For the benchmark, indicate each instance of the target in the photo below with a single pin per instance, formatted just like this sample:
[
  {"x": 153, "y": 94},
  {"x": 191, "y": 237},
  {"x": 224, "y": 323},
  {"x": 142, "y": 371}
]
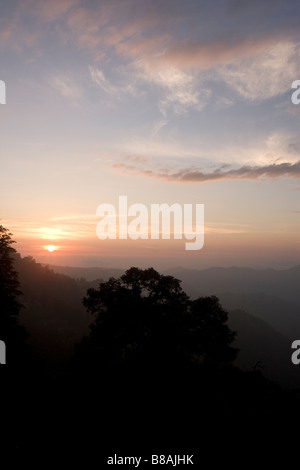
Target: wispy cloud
[
  {"x": 158, "y": 126},
  {"x": 194, "y": 175},
  {"x": 81, "y": 217},
  {"x": 207, "y": 54},
  {"x": 100, "y": 80},
  {"x": 266, "y": 75},
  {"x": 66, "y": 87},
  {"x": 109, "y": 88},
  {"x": 257, "y": 64},
  {"x": 181, "y": 90},
  {"x": 73, "y": 227},
  {"x": 277, "y": 147}
]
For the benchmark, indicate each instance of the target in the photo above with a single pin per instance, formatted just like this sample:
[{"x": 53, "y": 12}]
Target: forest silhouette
[{"x": 146, "y": 356}]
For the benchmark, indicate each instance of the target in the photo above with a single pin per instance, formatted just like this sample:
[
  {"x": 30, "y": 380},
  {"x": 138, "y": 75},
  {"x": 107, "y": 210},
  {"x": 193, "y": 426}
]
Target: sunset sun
[{"x": 51, "y": 248}]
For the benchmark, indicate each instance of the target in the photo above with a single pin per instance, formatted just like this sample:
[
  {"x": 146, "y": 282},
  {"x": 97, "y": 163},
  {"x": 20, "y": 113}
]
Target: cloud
[
  {"x": 14, "y": 35},
  {"x": 180, "y": 91},
  {"x": 17, "y": 33},
  {"x": 98, "y": 77},
  {"x": 66, "y": 87},
  {"x": 50, "y": 10},
  {"x": 224, "y": 102},
  {"x": 154, "y": 52},
  {"x": 177, "y": 53},
  {"x": 207, "y": 54},
  {"x": 82, "y": 217},
  {"x": 158, "y": 126},
  {"x": 137, "y": 159},
  {"x": 276, "y": 147},
  {"x": 57, "y": 228},
  {"x": 194, "y": 175},
  {"x": 266, "y": 75}
]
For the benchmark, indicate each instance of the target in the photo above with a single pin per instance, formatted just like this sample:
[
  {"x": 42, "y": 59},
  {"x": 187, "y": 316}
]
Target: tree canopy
[
  {"x": 9, "y": 284},
  {"x": 145, "y": 320},
  {"x": 11, "y": 332}
]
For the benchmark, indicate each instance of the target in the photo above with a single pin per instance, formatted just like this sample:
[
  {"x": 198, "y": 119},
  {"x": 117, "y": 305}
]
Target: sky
[{"x": 164, "y": 101}]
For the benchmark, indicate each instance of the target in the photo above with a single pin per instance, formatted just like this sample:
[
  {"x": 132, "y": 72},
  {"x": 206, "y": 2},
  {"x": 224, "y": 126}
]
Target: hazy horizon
[{"x": 161, "y": 265}]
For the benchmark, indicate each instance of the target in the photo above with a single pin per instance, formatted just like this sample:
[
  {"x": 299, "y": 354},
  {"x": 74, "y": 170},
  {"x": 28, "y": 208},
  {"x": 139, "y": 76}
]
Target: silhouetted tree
[
  {"x": 145, "y": 320},
  {"x": 207, "y": 326},
  {"x": 169, "y": 363},
  {"x": 11, "y": 332}
]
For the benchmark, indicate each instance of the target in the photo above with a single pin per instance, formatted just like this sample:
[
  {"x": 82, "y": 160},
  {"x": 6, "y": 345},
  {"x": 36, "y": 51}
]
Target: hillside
[
  {"x": 263, "y": 348},
  {"x": 56, "y": 319},
  {"x": 53, "y": 313},
  {"x": 90, "y": 274},
  {"x": 279, "y": 283},
  {"x": 280, "y": 314}
]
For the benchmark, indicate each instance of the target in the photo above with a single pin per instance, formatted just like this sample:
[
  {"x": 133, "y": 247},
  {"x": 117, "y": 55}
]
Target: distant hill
[
  {"x": 90, "y": 274},
  {"x": 279, "y": 283},
  {"x": 53, "y": 313},
  {"x": 263, "y": 348},
  {"x": 281, "y": 315},
  {"x": 271, "y": 295}
]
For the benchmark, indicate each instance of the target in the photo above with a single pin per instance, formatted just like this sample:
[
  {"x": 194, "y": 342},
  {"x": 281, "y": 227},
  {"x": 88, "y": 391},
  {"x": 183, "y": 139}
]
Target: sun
[{"x": 51, "y": 248}]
